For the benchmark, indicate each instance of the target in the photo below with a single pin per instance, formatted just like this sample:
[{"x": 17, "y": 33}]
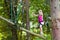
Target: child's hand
[{"x": 33, "y": 14}]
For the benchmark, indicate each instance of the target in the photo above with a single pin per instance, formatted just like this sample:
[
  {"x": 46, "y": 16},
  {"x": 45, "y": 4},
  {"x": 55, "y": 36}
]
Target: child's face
[{"x": 40, "y": 12}]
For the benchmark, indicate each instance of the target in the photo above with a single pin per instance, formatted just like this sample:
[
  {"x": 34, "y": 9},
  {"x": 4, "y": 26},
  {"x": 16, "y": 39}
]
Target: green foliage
[{"x": 35, "y": 5}]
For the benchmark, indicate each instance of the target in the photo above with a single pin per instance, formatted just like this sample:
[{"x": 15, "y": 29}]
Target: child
[{"x": 40, "y": 20}]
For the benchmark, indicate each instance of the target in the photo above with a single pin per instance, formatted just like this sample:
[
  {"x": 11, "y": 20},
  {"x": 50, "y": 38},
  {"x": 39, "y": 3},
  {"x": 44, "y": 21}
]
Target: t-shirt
[{"x": 40, "y": 18}]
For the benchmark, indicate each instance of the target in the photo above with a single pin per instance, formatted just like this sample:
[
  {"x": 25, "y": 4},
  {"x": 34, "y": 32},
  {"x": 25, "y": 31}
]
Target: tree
[
  {"x": 55, "y": 15},
  {"x": 27, "y": 18}
]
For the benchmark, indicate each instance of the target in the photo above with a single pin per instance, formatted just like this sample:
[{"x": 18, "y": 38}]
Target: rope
[
  {"x": 11, "y": 7},
  {"x": 19, "y": 7}
]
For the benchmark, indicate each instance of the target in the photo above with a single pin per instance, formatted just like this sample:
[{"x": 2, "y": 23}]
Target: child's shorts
[{"x": 41, "y": 23}]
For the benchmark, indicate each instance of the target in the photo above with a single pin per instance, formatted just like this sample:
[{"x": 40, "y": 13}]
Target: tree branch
[
  {"x": 7, "y": 20},
  {"x": 38, "y": 35}
]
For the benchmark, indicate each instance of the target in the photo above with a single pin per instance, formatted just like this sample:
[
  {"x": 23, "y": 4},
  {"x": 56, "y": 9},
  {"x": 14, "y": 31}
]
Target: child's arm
[{"x": 35, "y": 14}]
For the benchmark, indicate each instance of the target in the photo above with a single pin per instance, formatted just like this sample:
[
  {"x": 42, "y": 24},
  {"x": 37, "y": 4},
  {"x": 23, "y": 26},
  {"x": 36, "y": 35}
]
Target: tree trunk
[
  {"x": 14, "y": 34},
  {"x": 14, "y": 18},
  {"x": 27, "y": 18},
  {"x": 55, "y": 15}
]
